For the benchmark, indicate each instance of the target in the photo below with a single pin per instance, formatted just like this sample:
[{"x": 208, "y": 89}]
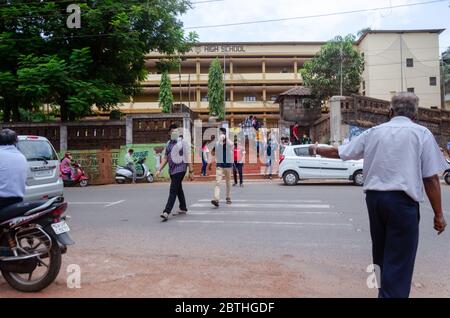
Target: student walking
[
  {"x": 178, "y": 156},
  {"x": 205, "y": 157},
  {"x": 238, "y": 156},
  {"x": 224, "y": 165}
]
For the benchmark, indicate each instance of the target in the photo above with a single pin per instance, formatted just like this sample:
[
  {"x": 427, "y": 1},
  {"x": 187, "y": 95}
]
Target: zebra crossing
[{"x": 265, "y": 212}]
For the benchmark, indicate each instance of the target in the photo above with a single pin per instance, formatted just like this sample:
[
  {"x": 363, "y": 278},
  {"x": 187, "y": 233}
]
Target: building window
[
  {"x": 409, "y": 62},
  {"x": 273, "y": 98},
  {"x": 433, "y": 81},
  {"x": 204, "y": 98},
  {"x": 410, "y": 89},
  {"x": 249, "y": 98}
]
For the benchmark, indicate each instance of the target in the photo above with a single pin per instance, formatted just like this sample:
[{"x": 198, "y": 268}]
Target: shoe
[
  {"x": 182, "y": 212},
  {"x": 164, "y": 216},
  {"x": 234, "y": 184},
  {"x": 228, "y": 201},
  {"x": 215, "y": 203}
]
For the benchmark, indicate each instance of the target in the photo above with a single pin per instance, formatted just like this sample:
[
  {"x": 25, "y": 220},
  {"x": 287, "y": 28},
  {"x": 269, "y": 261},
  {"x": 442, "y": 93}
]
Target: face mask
[{"x": 174, "y": 136}]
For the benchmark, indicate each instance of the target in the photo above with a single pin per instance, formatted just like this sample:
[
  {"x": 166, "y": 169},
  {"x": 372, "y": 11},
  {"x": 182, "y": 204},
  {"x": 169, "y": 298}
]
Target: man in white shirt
[
  {"x": 13, "y": 170},
  {"x": 400, "y": 159}
]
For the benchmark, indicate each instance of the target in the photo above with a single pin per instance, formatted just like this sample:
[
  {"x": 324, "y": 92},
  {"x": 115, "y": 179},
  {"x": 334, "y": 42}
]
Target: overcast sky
[{"x": 429, "y": 16}]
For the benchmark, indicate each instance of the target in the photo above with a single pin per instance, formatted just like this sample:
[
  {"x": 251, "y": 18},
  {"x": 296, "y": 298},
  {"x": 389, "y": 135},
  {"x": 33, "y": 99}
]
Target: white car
[
  {"x": 44, "y": 179},
  {"x": 297, "y": 164}
]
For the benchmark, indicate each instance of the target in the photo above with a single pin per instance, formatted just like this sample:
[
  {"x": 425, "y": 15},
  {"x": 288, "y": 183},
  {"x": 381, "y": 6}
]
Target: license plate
[
  {"x": 45, "y": 173},
  {"x": 60, "y": 227}
]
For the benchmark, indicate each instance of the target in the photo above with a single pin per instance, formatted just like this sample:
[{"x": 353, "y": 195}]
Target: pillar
[{"x": 129, "y": 130}]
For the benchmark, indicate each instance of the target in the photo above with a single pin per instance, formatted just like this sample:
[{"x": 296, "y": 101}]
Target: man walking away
[
  {"x": 13, "y": 170},
  {"x": 205, "y": 157},
  {"x": 296, "y": 134},
  {"x": 129, "y": 162},
  {"x": 224, "y": 165},
  {"x": 270, "y": 156},
  {"x": 178, "y": 156},
  {"x": 238, "y": 165},
  {"x": 400, "y": 159}
]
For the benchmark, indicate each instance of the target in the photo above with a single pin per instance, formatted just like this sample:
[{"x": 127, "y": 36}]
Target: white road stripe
[
  {"x": 266, "y": 223},
  {"x": 274, "y": 201},
  {"x": 274, "y": 213},
  {"x": 114, "y": 203},
  {"x": 268, "y": 205},
  {"x": 86, "y": 203}
]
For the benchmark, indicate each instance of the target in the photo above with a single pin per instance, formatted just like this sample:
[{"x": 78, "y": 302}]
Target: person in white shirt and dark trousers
[
  {"x": 401, "y": 158},
  {"x": 13, "y": 170}
]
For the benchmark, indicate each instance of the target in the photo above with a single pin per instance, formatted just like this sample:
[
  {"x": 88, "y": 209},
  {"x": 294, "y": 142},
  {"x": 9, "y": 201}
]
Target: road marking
[
  {"x": 266, "y": 223},
  {"x": 114, "y": 203},
  {"x": 94, "y": 203},
  {"x": 274, "y": 213},
  {"x": 257, "y": 200},
  {"x": 268, "y": 205}
]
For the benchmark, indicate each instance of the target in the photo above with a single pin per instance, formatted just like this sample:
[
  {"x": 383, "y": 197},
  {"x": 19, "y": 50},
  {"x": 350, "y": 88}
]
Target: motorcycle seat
[{"x": 18, "y": 209}]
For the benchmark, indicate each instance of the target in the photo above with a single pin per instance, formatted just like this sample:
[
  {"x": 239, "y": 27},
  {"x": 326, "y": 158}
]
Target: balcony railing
[{"x": 154, "y": 79}]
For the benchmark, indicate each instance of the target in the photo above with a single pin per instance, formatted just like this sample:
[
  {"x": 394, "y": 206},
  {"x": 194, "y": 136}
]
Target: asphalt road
[{"x": 310, "y": 240}]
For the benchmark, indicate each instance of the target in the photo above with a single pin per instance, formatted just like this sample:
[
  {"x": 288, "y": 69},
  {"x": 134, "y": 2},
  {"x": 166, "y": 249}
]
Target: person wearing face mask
[
  {"x": 178, "y": 157},
  {"x": 224, "y": 166},
  {"x": 66, "y": 165}
]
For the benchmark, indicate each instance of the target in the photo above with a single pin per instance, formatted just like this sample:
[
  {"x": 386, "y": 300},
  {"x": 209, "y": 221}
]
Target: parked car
[
  {"x": 297, "y": 164},
  {"x": 44, "y": 180}
]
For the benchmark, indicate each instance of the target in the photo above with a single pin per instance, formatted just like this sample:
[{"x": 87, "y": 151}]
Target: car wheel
[
  {"x": 358, "y": 178},
  {"x": 290, "y": 178},
  {"x": 447, "y": 178}
]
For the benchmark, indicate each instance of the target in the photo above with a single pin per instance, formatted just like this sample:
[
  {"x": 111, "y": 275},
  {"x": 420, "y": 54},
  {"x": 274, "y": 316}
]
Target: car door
[
  {"x": 308, "y": 166},
  {"x": 334, "y": 168}
]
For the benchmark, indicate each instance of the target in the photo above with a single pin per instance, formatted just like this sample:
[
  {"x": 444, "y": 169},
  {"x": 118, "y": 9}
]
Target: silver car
[{"x": 44, "y": 180}]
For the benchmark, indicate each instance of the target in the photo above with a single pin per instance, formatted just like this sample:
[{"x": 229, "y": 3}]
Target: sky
[{"x": 428, "y": 16}]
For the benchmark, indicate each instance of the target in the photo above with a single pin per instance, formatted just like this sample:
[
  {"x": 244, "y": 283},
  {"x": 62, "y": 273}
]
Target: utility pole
[
  {"x": 341, "y": 54},
  {"x": 179, "y": 76},
  {"x": 401, "y": 61},
  {"x": 224, "y": 88}
]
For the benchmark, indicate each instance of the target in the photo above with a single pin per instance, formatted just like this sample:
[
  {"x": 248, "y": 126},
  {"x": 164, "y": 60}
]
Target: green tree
[
  {"x": 337, "y": 62},
  {"x": 165, "y": 93},
  {"x": 446, "y": 69},
  {"x": 216, "y": 98},
  {"x": 110, "y": 46}
]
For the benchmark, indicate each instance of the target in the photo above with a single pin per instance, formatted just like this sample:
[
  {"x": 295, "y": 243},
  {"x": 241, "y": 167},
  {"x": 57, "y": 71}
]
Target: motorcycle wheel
[
  {"x": 54, "y": 265},
  {"x": 150, "y": 179},
  {"x": 83, "y": 183},
  {"x": 120, "y": 181},
  {"x": 447, "y": 178}
]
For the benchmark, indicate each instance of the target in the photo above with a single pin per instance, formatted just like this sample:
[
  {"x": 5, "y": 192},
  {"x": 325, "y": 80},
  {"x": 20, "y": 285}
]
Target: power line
[{"x": 315, "y": 16}]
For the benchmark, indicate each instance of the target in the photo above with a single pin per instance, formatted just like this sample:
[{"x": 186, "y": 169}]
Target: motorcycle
[
  {"x": 33, "y": 237},
  {"x": 447, "y": 174},
  {"x": 78, "y": 177},
  {"x": 142, "y": 173}
]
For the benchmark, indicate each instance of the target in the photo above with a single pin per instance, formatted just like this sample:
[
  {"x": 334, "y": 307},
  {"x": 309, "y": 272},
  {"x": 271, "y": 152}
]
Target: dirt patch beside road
[{"x": 107, "y": 275}]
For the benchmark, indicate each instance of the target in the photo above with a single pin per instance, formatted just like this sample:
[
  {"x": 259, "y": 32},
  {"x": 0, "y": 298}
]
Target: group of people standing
[{"x": 229, "y": 157}]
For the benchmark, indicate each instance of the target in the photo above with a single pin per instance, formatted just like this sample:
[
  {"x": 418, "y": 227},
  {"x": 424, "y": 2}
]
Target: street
[{"x": 310, "y": 240}]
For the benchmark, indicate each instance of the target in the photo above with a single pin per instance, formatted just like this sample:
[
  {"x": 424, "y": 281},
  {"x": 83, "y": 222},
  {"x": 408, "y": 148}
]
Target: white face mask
[{"x": 174, "y": 136}]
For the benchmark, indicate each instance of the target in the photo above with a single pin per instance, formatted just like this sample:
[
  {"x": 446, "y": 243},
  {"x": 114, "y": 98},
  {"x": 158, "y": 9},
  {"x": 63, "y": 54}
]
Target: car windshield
[{"x": 37, "y": 150}]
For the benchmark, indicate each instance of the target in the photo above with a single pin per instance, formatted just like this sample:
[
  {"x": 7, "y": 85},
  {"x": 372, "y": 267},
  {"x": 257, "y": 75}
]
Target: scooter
[
  {"x": 33, "y": 237},
  {"x": 447, "y": 174},
  {"x": 142, "y": 173},
  {"x": 78, "y": 177}
]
